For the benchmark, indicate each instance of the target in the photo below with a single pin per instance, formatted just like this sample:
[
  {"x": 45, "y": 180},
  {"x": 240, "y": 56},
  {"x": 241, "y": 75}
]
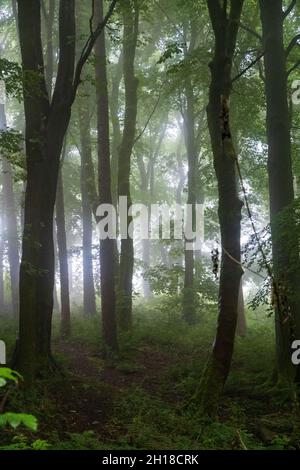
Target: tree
[
  {"x": 107, "y": 252},
  {"x": 225, "y": 19},
  {"x": 63, "y": 258},
  {"x": 46, "y": 125},
  {"x": 11, "y": 226},
  {"x": 130, "y": 35},
  {"x": 87, "y": 179},
  {"x": 285, "y": 249},
  {"x": 189, "y": 301}
]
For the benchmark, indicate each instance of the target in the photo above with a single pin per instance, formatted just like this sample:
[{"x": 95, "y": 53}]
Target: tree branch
[
  {"x": 257, "y": 59},
  {"x": 289, "y": 9},
  {"x": 251, "y": 31},
  {"x": 88, "y": 47},
  {"x": 296, "y": 65},
  {"x": 292, "y": 43}
]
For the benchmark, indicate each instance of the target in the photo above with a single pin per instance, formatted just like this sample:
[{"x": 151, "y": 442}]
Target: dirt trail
[{"x": 85, "y": 397}]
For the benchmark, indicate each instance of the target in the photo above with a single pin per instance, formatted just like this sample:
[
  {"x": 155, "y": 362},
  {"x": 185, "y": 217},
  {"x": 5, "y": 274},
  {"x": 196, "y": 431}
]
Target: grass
[{"x": 144, "y": 399}]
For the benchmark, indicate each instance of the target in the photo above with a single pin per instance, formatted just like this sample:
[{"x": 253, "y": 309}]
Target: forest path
[
  {"x": 130, "y": 401},
  {"x": 88, "y": 393}
]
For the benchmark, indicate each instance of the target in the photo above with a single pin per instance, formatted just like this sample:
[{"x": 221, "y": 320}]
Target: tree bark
[
  {"x": 65, "y": 324},
  {"x": 285, "y": 248},
  {"x": 87, "y": 179},
  {"x": 2, "y": 297},
  {"x": 241, "y": 327},
  {"x": 225, "y": 25},
  {"x": 46, "y": 126},
  {"x": 45, "y": 129},
  {"x": 131, "y": 20},
  {"x": 189, "y": 293},
  {"x": 11, "y": 225},
  {"x": 116, "y": 129},
  {"x": 107, "y": 254}
]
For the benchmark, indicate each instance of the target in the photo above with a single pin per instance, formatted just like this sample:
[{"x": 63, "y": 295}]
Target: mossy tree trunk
[{"x": 225, "y": 19}]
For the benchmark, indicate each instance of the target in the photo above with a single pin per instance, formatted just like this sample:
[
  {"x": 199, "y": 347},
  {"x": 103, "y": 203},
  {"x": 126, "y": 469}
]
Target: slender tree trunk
[
  {"x": 131, "y": 19},
  {"x": 107, "y": 255},
  {"x": 87, "y": 179},
  {"x": 116, "y": 140},
  {"x": 225, "y": 26},
  {"x": 179, "y": 244},
  {"x": 146, "y": 247},
  {"x": 146, "y": 262},
  {"x": 189, "y": 293},
  {"x": 11, "y": 225},
  {"x": 241, "y": 327},
  {"x": 2, "y": 297},
  {"x": 63, "y": 259},
  {"x": 12, "y": 234},
  {"x": 285, "y": 247},
  {"x": 116, "y": 134},
  {"x": 55, "y": 297}
]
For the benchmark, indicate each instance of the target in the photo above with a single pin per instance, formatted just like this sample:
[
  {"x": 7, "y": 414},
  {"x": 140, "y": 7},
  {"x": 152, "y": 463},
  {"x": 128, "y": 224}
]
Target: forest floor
[{"x": 144, "y": 399}]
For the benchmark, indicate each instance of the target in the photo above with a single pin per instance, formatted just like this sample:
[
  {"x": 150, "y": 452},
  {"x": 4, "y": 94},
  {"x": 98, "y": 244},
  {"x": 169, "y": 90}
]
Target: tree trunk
[
  {"x": 63, "y": 259},
  {"x": 107, "y": 255},
  {"x": 55, "y": 296},
  {"x": 241, "y": 327},
  {"x": 11, "y": 225},
  {"x": 49, "y": 21},
  {"x": 46, "y": 126},
  {"x": 131, "y": 19},
  {"x": 225, "y": 26},
  {"x": 11, "y": 234},
  {"x": 2, "y": 297},
  {"x": 45, "y": 130},
  {"x": 116, "y": 134},
  {"x": 285, "y": 247},
  {"x": 87, "y": 179},
  {"x": 189, "y": 293}
]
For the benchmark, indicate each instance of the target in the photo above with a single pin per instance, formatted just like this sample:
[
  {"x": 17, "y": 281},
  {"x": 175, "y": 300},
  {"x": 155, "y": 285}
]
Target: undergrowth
[{"x": 145, "y": 410}]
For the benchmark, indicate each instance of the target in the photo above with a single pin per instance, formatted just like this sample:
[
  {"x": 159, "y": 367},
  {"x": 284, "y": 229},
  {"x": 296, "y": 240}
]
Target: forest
[{"x": 149, "y": 225}]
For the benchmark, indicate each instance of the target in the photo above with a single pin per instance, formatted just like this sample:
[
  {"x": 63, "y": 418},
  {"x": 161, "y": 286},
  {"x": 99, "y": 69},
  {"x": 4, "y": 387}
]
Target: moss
[{"x": 210, "y": 389}]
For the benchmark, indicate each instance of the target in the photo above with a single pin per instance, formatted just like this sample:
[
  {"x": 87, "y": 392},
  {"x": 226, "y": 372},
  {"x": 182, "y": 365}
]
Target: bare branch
[
  {"x": 289, "y": 9},
  {"x": 294, "y": 67},
  {"x": 92, "y": 17},
  {"x": 251, "y": 31},
  {"x": 88, "y": 47},
  {"x": 292, "y": 43},
  {"x": 257, "y": 59},
  {"x": 150, "y": 116}
]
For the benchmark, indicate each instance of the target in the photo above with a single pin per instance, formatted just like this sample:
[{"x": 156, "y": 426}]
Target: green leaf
[
  {"x": 29, "y": 421},
  {"x": 15, "y": 419},
  {"x": 2, "y": 382},
  {"x": 10, "y": 374}
]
